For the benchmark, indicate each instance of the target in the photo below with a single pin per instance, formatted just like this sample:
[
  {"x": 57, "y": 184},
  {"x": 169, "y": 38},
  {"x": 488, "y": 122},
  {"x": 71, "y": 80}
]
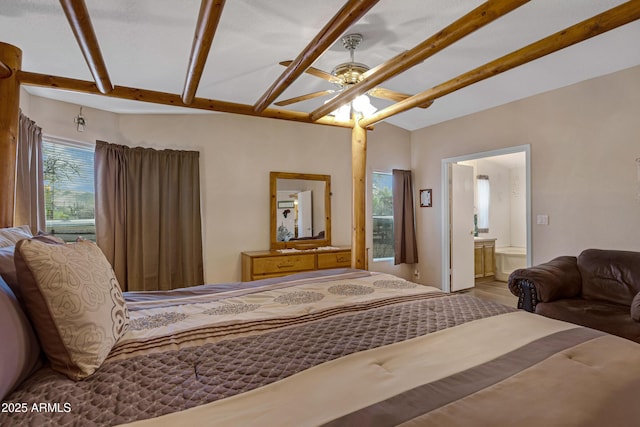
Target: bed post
[
  {"x": 358, "y": 172},
  {"x": 10, "y": 63}
]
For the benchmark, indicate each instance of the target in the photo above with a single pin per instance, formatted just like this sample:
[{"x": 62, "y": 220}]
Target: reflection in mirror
[{"x": 300, "y": 210}]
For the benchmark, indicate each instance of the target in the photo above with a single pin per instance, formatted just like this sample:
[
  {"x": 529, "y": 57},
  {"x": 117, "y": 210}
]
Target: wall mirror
[{"x": 300, "y": 210}]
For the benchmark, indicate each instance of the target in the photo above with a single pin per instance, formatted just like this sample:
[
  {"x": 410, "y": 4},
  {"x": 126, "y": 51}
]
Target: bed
[{"x": 339, "y": 347}]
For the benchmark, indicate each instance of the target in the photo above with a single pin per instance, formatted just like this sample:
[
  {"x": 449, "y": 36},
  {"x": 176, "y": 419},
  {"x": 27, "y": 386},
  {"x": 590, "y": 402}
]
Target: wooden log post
[
  {"x": 359, "y": 175},
  {"x": 11, "y": 59}
]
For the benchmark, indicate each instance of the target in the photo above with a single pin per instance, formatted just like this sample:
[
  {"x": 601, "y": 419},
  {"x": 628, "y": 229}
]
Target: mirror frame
[{"x": 304, "y": 243}]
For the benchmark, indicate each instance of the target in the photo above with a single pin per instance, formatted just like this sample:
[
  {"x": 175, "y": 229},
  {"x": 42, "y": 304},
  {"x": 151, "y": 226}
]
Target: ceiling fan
[{"x": 345, "y": 75}]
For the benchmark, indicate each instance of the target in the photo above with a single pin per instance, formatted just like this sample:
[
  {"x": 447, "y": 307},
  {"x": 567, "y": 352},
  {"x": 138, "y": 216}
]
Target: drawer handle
[
  {"x": 284, "y": 265},
  {"x": 342, "y": 259}
]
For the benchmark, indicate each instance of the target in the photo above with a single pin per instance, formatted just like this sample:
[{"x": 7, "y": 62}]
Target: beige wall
[
  {"x": 584, "y": 141},
  {"x": 388, "y": 147},
  {"x": 25, "y": 102},
  {"x": 236, "y": 155},
  {"x": 56, "y": 119}
]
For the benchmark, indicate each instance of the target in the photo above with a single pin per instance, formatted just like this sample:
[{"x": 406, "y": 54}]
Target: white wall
[{"x": 584, "y": 142}]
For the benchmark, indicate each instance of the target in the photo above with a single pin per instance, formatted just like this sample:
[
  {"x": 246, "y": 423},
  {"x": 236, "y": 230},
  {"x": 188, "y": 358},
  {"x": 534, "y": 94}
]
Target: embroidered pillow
[
  {"x": 8, "y": 266},
  {"x": 74, "y": 301}
]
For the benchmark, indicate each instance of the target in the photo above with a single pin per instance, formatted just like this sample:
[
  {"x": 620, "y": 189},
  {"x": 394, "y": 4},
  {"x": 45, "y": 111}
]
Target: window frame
[
  {"x": 484, "y": 202},
  {"x": 79, "y": 145},
  {"x": 374, "y": 217}
]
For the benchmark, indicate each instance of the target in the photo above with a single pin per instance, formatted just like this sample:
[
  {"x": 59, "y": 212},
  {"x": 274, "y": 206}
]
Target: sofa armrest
[
  {"x": 553, "y": 280},
  {"x": 525, "y": 290}
]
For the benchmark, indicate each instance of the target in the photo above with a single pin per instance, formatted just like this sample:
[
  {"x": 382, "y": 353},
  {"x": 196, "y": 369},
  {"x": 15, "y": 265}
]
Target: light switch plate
[{"x": 543, "y": 219}]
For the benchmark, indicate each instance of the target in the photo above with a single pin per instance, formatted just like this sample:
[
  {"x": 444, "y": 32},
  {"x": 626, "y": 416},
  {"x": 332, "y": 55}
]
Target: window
[
  {"x": 68, "y": 189},
  {"x": 484, "y": 194},
  {"x": 382, "y": 201}
]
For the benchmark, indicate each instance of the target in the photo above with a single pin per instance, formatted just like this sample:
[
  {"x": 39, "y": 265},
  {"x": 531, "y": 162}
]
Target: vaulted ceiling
[{"x": 147, "y": 44}]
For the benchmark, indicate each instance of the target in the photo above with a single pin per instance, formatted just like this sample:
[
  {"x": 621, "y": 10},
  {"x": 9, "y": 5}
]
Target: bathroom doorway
[{"x": 510, "y": 211}]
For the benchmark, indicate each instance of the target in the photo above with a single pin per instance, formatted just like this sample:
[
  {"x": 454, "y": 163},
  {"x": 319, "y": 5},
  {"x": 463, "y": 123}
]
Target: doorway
[{"x": 451, "y": 264}]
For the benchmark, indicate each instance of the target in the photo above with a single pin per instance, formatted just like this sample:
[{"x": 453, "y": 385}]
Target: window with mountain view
[{"x": 69, "y": 190}]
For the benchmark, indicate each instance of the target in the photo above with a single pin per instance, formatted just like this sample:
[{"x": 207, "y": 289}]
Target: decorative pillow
[
  {"x": 11, "y": 236},
  {"x": 19, "y": 352},
  {"x": 635, "y": 308},
  {"x": 48, "y": 238},
  {"x": 7, "y": 267},
  {"x": 74, "y": 301}
]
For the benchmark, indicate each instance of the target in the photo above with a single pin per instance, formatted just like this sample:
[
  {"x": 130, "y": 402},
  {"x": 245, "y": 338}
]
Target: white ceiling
[{"x": 146, "y": 44}]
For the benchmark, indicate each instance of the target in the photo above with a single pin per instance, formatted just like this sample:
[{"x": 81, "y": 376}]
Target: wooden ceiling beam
[
  {"x": 594, "y": 26},
  {"x": 477, "y": 18},
  {"x": 208, "y": 19},
  {"x": 80, "y": 22},
  {"x": 350, "y": 13},
  {"x": 155, "y": 97},
  {"x": 5, "y": 71}
]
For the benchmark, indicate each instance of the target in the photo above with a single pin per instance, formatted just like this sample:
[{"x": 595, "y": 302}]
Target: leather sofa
[{"x": 598, "y": 289}]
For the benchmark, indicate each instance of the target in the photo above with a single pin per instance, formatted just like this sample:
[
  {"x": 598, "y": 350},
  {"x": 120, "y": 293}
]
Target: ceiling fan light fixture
[
  {"x": 349, "y": 73},
  {"x": 362, "y": 104},
  {"x": 342, "y": 113}
]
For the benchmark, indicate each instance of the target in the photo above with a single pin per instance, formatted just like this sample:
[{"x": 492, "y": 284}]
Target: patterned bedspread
[{"x": 218, "y": 353}]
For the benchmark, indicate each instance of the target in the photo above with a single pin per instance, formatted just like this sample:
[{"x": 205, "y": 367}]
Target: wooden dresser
[{"x": 263, "y": 264}]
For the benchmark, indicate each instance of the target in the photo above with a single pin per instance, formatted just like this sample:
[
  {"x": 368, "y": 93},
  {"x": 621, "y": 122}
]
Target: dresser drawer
[
  {"x": 334, "y": 259},
  {"x": 278, "y": 264},
  {"x": 262, "y": 264}
]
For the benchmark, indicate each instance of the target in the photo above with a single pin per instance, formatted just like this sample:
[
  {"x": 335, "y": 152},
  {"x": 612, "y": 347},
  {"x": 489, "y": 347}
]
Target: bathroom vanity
[{"x": 484, "y": 256}]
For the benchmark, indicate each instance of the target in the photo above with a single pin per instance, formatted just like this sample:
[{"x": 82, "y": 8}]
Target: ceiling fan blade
[
  {"x": 315, "y": 72},
  {"x": 304, "y": 97},
  {"x": 392, "y": 95}
]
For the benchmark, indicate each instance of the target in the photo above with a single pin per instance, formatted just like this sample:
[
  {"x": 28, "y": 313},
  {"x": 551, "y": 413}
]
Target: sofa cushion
[
  {"x": 635, "y": 308},
  {"x": 609, "y": 275},
  {"x": 74, "y": 301},
  {"x": 611, "y": 318}
]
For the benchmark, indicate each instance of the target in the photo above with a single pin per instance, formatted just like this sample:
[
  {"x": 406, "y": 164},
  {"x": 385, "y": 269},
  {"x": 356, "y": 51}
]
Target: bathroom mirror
[{"x": 300, "y": 210}]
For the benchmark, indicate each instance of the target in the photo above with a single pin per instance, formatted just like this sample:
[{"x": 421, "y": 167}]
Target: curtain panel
[
  {"x": 29, "y": 196},
  {"x": 404, "y": 231},
  {"x": 148, "y": 216}
]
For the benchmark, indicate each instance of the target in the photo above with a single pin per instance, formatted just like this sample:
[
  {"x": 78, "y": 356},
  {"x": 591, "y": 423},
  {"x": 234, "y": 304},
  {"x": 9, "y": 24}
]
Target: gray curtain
[
  {"x": 148, "y": 216},
  {"x": 29, "y": 205},
  {"x": 404, "y": 232}
]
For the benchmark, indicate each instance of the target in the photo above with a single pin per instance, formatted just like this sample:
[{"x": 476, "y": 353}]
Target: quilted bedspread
[{"x": 345, "y": 347}]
